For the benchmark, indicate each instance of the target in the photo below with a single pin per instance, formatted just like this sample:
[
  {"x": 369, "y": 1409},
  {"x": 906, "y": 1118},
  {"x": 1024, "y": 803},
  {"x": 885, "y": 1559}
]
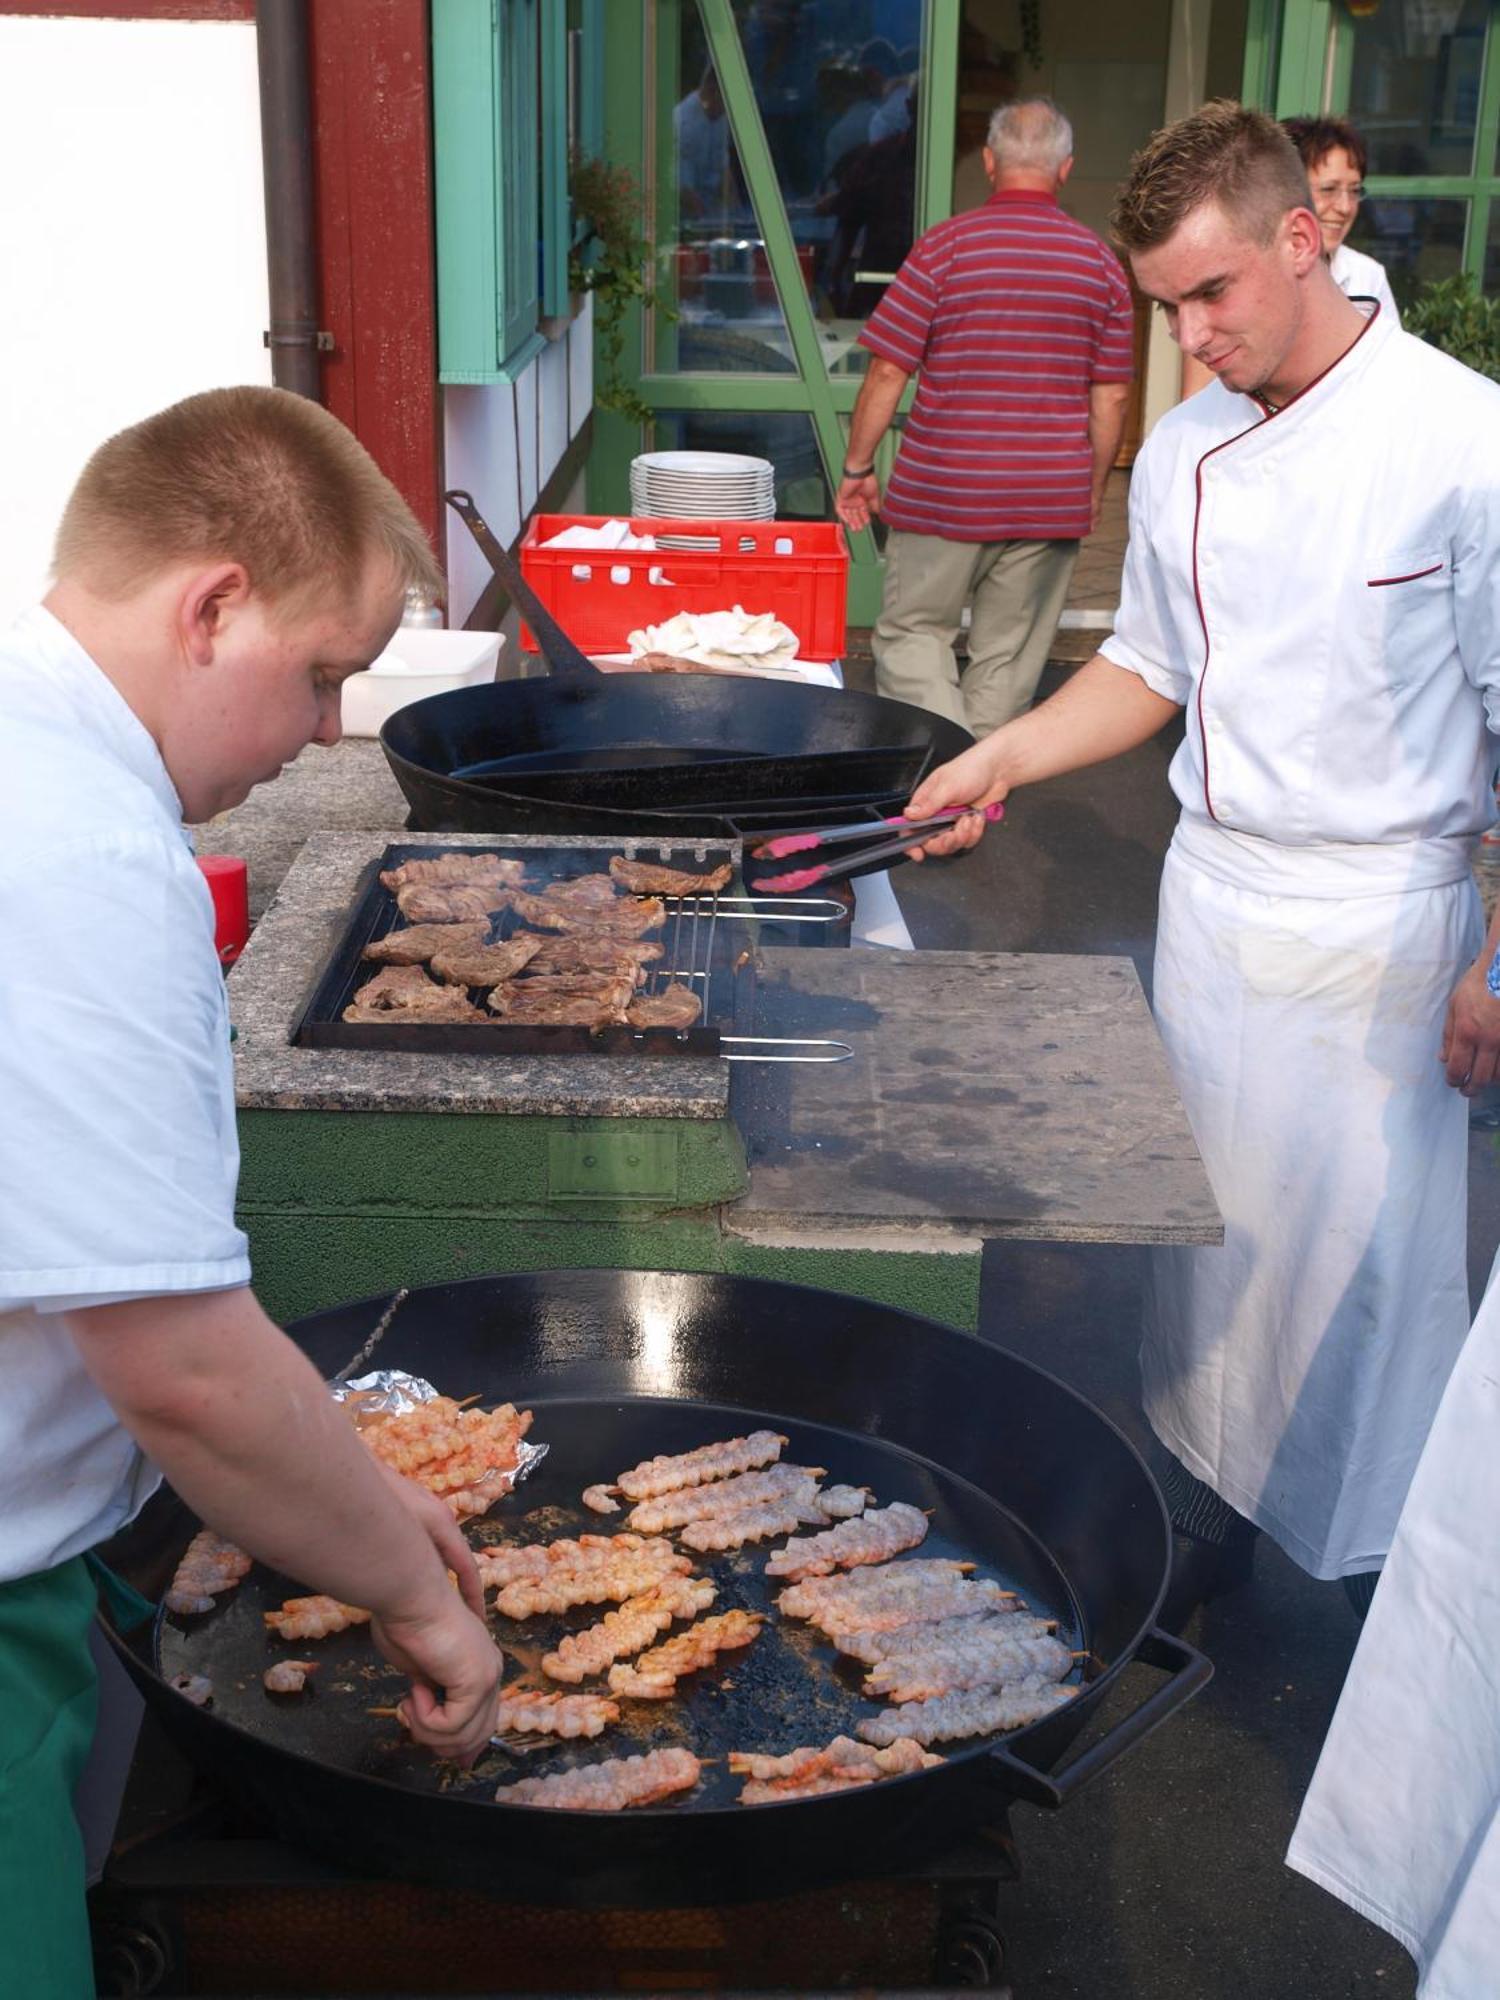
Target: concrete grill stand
[{"x": 991, "y": 1095}]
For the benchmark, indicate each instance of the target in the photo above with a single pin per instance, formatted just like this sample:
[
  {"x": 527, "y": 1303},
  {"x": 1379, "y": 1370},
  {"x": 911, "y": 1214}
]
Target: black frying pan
[
  {"x": 1021, "y": 1474},
  {"x": 586, "y": 752}
]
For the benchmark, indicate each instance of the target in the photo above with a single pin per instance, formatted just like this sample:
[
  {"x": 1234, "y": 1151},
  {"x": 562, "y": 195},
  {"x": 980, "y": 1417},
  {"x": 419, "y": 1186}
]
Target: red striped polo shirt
[{"x": 1008, "y": 314}]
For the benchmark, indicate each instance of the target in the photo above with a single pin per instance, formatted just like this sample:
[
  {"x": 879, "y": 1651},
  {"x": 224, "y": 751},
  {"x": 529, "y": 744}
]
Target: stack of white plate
[{"x": 701, "y": 485}]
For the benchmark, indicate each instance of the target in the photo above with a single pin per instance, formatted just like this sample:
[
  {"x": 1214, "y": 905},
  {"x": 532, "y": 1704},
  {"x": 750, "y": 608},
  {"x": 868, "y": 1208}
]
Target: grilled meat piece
[
  {"x": 619, "y": 920},
  {"x": 416, "y": 943},
  {"x": 455, "y": 903},
  {"x": 645, "y": 878},
  {"x": 615, "y": 957},
  {"x": 444, "y": 871},
  {"x": 568, "y": 1000},
  {"x": 485, "y": 965},
  {"x": 673, "y": 1007},
  {"x": 405, "y": 993}
]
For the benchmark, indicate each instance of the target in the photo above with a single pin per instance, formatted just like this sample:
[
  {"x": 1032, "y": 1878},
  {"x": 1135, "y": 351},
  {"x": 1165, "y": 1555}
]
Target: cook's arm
[
  {"x": 1470, "y": 1049},
  {"x": 246, "y": 1431},
  {"x": 1108, "y": 402},
  {"x": 1100, "y": 712},
  {"x": 874, "y": 411}
]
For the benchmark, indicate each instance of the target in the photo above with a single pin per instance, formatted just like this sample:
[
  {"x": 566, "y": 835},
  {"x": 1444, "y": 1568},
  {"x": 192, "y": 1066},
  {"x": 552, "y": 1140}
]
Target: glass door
[{"x": 789, "y": 152}]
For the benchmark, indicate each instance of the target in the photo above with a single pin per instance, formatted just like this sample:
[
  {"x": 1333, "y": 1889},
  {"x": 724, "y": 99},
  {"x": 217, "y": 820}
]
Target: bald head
[{"x": 1029, "y": 141}]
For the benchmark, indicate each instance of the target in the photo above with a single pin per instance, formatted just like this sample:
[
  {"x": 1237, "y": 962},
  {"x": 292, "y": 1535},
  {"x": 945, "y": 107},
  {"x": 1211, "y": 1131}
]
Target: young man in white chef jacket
[
  {"x": 1313, "y": 573},
  {"x": 221, "y": 568}
]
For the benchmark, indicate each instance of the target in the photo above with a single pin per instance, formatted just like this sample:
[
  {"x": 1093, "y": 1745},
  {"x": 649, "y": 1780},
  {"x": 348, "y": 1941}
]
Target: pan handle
[
  {"x": 558, "y": 650},
  {"x": 1190, "y": 1671}
]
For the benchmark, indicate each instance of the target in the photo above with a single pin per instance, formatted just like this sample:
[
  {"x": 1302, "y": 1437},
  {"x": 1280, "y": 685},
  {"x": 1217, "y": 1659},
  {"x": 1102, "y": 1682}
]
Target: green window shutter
[
  {"x": 554, "y": 151},
  {"x": 484, "y": 103}
]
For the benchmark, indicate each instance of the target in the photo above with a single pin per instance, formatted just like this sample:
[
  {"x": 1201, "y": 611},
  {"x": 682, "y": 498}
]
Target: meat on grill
[
  {"x": 416, "y": 943},
  {"x": 645, "y": 878},
  {"x": 568, "y": 1001},
  {"x": 588, "y": 952},
  {"x": 440, "y": 871},
  {"x": 485, "y": 965},
  {"x": 404, "y": 992},
  {"x": 618, "y": 920},
  {"x": 455, "y": 903},
  {"x": 674, "y": 1007}
]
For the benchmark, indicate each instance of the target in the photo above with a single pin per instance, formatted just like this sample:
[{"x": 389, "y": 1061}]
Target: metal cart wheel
[
  {"x": 132, "y": 1956},
  {"x": 971, "y": 1954}
]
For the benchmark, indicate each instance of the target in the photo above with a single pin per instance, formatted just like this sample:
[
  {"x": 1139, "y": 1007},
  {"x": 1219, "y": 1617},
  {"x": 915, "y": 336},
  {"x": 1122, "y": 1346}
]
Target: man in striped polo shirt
[{"x": 1017, "y": 321}]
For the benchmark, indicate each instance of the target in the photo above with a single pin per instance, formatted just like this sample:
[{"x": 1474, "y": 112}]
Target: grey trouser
[{"x": 1015, "y": 592}]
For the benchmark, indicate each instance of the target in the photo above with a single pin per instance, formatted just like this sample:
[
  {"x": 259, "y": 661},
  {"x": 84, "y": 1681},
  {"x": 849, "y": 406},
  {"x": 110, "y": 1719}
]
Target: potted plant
[
  {"x": 612, "y": 259},
  {"x": 1453, "y": 314}
]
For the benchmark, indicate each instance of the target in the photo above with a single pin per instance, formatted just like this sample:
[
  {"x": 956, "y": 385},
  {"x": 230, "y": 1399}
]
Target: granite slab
[
  {"x": 288, "y": 951},
  {"x": 990, "y": 1095}
]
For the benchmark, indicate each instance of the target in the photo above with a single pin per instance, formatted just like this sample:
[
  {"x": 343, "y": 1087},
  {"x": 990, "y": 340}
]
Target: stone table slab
[
  {"x": 990, "y": 1095},
  {"x": 288, "y": 952}
]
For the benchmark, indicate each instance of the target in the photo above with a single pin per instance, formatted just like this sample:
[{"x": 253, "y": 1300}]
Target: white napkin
[
  {"x": 734, "y": 638},
  {"x": 607, "y": 535}
]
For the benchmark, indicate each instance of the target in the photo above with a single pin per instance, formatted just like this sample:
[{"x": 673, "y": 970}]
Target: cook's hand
[
  {"x": 438, "y": 1525},
  {"x": 969, "y": 780},
  {"x": 856, "y": 500},
  {"x": 1470, "y": 1051},
  {"x": 455, "y": 1668}
]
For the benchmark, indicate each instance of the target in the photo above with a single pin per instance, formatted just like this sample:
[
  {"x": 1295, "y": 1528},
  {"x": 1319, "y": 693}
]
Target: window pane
[
  {"x": 1415, "y": 240},
  {"x": 1492, "y": 252},
  {"x": 784, "y": 437},
  {"x": 1414, "y": 89}
]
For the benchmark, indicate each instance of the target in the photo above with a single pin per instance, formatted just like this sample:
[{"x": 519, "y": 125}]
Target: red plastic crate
[{"x": 797, "y": 570}]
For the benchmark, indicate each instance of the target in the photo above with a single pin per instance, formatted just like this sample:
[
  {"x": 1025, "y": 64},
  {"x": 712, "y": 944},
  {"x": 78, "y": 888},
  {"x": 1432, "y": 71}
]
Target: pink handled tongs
[{"x": 802, "y": 839}]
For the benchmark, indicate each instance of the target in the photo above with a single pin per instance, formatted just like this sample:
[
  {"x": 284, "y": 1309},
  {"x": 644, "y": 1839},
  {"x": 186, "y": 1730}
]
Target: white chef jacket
[
  {"x": 118, "y": 1152},
  {"x": 1320, "y": 587},
  {"x": 1400, "y": 1820},
  {"x": 1360, "y": 277}
]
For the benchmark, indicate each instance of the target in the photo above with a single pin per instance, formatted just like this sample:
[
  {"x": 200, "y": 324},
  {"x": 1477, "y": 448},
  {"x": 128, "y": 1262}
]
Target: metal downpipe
[{"x": 281, "y": 34}]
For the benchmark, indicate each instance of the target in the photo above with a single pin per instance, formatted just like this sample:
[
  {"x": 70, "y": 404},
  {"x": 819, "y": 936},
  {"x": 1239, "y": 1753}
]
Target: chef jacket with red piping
[{"x": 1319, "y": 586}]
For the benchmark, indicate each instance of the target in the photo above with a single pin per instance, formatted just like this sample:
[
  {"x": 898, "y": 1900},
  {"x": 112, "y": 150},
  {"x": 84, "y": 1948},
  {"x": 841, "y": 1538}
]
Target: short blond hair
[
  {"x": 1224, "y": 153},
  {"x": 252, "y": 475}
]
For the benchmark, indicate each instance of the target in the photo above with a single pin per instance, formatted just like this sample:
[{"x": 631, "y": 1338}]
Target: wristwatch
[{"x": 858, "y": 472}]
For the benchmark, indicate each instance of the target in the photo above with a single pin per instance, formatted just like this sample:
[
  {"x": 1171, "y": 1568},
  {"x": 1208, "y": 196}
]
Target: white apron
[
  {"x": 1402, "y": 1820},
  {"x": 1301, "y": 998}
]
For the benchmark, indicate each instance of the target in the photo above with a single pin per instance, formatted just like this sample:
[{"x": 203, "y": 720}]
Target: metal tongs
[{"x": 805, "y": 839}]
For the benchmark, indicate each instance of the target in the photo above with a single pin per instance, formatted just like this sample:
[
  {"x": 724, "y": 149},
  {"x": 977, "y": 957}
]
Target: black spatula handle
[{"x": 557, "y": 649}]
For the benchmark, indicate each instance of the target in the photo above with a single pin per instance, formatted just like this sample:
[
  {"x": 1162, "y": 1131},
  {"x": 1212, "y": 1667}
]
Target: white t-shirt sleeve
[
  {"x": 118, "y": 1150},
  {"x": 1142, "y": 641}
]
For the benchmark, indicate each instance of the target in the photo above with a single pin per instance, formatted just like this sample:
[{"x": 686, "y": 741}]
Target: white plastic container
[{"x": 417, "y": 663}]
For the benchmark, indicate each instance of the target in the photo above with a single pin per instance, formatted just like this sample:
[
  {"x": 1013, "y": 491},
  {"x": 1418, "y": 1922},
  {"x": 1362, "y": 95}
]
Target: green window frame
[
  {"x": 500, "y": 151},
  {"x": 1314, "y": 57}
]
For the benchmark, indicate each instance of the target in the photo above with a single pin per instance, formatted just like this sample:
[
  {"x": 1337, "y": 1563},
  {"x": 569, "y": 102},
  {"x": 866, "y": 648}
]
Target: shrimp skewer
[
  {"x": 313, "y": 1618},
  {"x": 610, "y": 1786},
  {"x": 873, "y": 1538},
  {"x": 695, "y": 1468},
  {"x": 609, "y": 1582},
  {"x": 959, "y": 1666},
  {"x": 805, "y": 1774},
  {"x": 209, "y": 1566},
  {"x": 724, "y": 1496},
  {"x": 654, "y": 1676},
  {"x": 754, "y": 1524},
  {"x": 902, "y": 1640},
  {"x": 984, "y": 1713},
  {"x": 634, "y": 1625},
  {"x": 565, "y": 1715},
  {"x": 500, "y": 1566}
]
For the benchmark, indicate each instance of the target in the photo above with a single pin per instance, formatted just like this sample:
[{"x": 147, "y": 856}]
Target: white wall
[
  {"x": 502, "y": 443},
  {"x": 132, "y": 240}
]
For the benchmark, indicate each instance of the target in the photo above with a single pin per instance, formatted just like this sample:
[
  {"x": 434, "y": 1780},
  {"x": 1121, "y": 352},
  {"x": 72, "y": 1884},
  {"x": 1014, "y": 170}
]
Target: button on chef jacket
[
  {"x": 118, "y": 1152},
  {"x": 1320, "y": 588}
]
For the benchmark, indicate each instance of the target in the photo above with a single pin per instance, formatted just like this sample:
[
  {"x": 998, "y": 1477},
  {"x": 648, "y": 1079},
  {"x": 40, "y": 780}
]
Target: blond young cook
[
  {"x": 1313, "y": 573},
  {"x": 221, "y": 569}
]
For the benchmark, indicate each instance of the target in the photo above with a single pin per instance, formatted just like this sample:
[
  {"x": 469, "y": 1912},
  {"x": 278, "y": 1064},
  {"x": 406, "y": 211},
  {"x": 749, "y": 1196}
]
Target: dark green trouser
[{"x": 47, "y": 1707}]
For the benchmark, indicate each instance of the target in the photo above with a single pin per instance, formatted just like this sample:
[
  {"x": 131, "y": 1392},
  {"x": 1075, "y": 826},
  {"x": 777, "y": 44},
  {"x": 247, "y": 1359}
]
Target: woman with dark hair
[{"x": 1335, "y": 157}]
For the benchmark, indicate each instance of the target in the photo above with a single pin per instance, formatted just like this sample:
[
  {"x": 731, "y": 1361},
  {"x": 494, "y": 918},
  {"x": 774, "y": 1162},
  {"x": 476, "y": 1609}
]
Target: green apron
[{"x": 48, "y": 1698}]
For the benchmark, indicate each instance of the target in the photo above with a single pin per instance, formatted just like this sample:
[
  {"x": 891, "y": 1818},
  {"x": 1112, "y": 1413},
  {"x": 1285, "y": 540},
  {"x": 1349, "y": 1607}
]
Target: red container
[
  {"x": 798, "y": 570},
  {"x": 228, "y": 884}
]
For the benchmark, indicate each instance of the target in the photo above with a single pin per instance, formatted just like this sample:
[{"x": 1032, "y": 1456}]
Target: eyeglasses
[{"x": 1331, "y": 190}]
